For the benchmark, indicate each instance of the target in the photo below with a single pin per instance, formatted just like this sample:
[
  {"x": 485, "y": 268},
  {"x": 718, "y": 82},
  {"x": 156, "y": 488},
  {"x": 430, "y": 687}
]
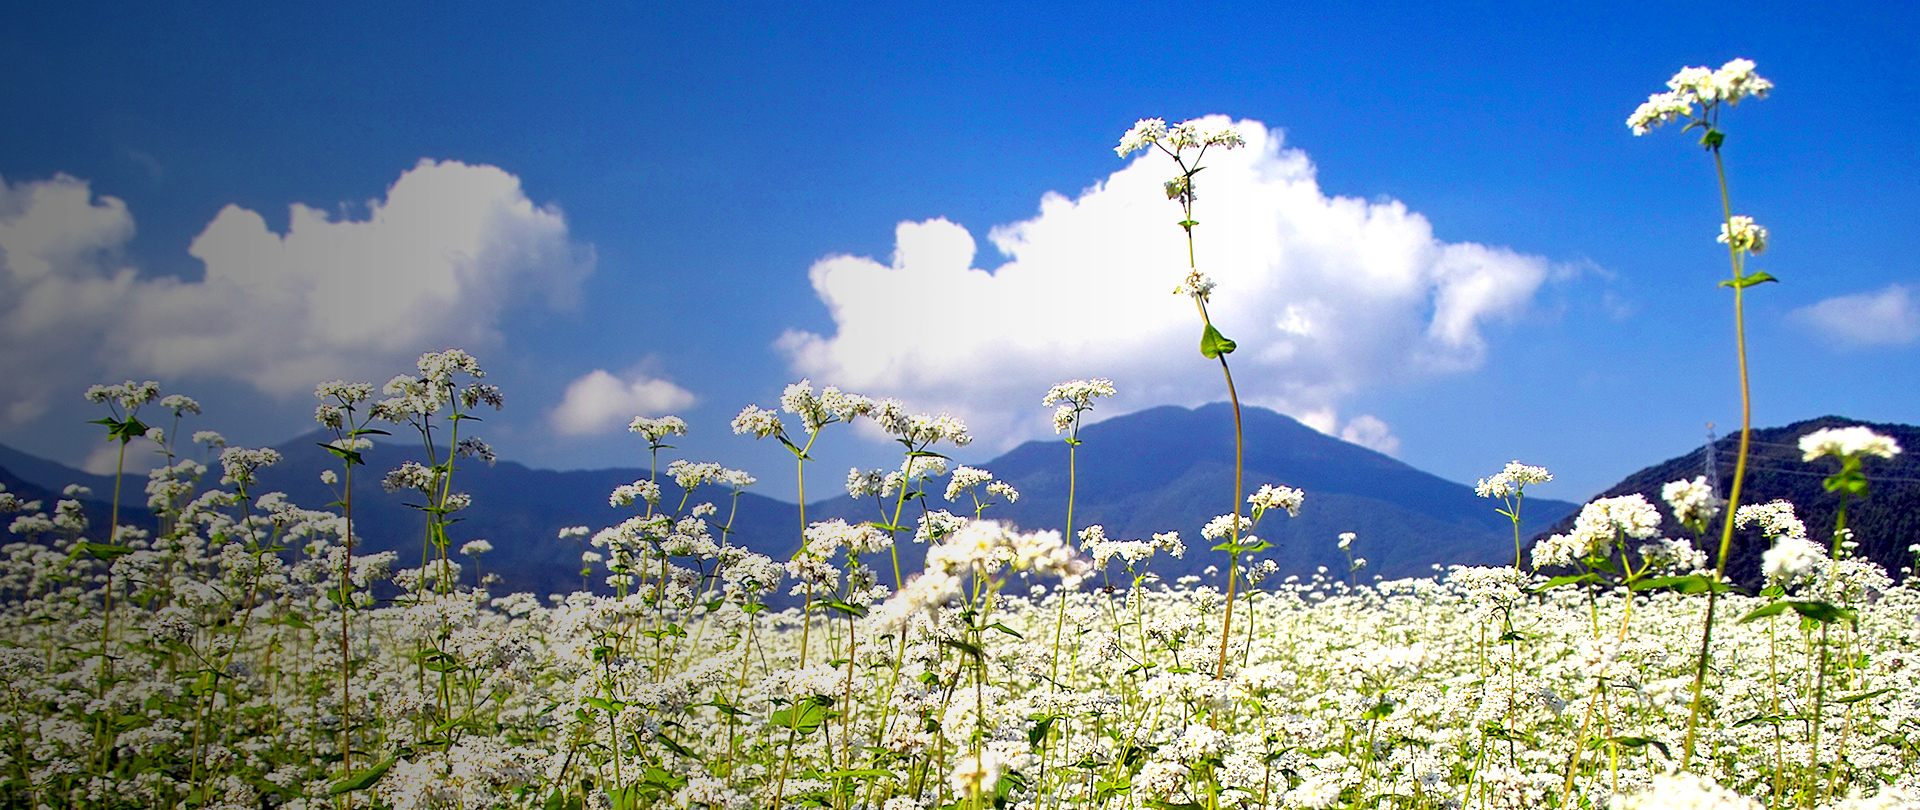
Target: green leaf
[
  {"x": 1213, "y": 344},
  {"x": 801, "y": 719},
  {"x": 1380, "y": 710},
  {"x": 1042, "y": 724},
  {"x": 1635, "y": 743},
  {"x": 1822, "y": 612},
  {"x": 1863, "y": 696},
  {"x": 1769, "y": 609},
  {"x": 361, "y": 780},
  {"x": 351, "y": 457},
  {"x": 962, "y": 646},
  {"x": 1769, "y": 719},
  {"x": 844, "y": 607},
  {"x": 105, "y": 551},
  {"x": 1570, "y": 579},
  {"x": 1691, "y": 583},
  {"x": 1004, "y": 629},
  {"x": 1748, "y": 280}
]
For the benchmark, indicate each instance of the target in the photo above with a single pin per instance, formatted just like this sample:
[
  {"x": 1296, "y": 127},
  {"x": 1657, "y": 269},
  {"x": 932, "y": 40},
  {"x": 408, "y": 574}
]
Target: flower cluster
[
  {"x": 1733, "y": 82},
  {"x": 1847, "y": 442},
  {"x": 1512, "y": 480}
]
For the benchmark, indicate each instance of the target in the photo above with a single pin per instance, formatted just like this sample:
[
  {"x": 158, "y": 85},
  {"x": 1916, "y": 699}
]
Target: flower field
[{"x": 242, "y": 654}]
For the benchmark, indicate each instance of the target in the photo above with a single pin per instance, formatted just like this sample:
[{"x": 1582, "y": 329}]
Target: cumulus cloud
[
  {"x": 1890, "y": 317},
  {"x": 599, "y": 402},
  {"x": 435, "y": 263},
  {"x": 1326, "y": 296}
]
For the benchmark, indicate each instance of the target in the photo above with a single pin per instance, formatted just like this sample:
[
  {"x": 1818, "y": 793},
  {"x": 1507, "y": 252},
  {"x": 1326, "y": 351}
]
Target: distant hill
[
  {"x": 1171, "y": 468},
  {"x": 1157, "y": 470},
  {"x": 1885, "y": 523}
]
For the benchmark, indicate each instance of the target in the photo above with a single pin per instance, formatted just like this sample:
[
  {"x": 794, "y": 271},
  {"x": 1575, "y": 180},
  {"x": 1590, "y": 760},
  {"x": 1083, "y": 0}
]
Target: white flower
[
  {"x": 1271, "y": 497},
  {"x": 1601, "y": 523},
  {"x": 976, "y": 774},
  {"x": 1686, "y": 791},
  {"x": 655, "y": 429},
  {"x": 1792, "y": 558},
  {"x": 1847, "y": 442},
  {"x": 1146, "y": 132},
  {"x": 759, "y": 422},
  {"x": 1734, "y": 81},
  {"x": 1775, "y": 518},
  {"x": 1346, "y": 540},
  {"x": 1222, "y": 527},
  {"x": 474, "y": 548},
  {"x": 1743, "y": 234},
  {"x": 1511, "y": 480},
  {"x": 1693, "y": 502}
]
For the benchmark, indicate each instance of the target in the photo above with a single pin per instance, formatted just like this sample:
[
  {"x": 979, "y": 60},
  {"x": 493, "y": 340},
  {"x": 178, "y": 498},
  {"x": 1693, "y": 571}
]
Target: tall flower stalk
[
  {"x": 1715, "y": 91},
  {"x": 1187, "y": 144},
  {"x": 340, "y": 411}
]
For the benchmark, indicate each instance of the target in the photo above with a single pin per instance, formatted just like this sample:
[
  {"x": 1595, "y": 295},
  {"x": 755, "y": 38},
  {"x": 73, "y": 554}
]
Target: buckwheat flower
[
  {"x": 827, "y": 537},
  {"x": 1744, "y": 235},
  {"x": 239, "y": 464},
  {"x": 474, "y": 448},
  {"x": 1599, "y": 526},
  {"x": 1146, "y": 132},
  {"x": 864, "y": 483},
  {"x": 1078, "y": 391},
  {"x": 1791, "y": 560},
  {"x": 759, "y": 422},
  {"x": 965, "y": 479},
  {"x": 691, "y": 474},
  {"x": 1197, "y": 285},
  {"x": 1847, "y": 442},
  {"x": 936, "y": 525},
  {"x": 1346, "y": 540},
  {"x": 800, "y": 401},
  {"x": 1693, "y": 502},
  {"x": 180, "y": 404},
  {"x": 1675, "y": 554},
  {"x": 329, "y": 478},
  {"x": 1511, "y": 481},
  {"x": 409, "y": 475},
  {"x": 1775, "y": 519},
  {"x": 475, "y": 548},
  {"x": 655, "y": 429},
  {"x": 1222, "y": 527},
  {"x": 574, "y": 532},
  {"x": 129, "y": 395},
  {"x": 1658, "y": 109},
  {"x": 1685, "y": 791},
  {"x": 1271, "y": 497},
  {"x": 209, "y": 438},
  {"x": 344, "y": 392},
  {"x": 456, "y": 501},
  {"x": 975, "y": 775},
  {"x": 1736, "y": 80},
  {"x": 1170, "y": 543},
  {"x": 1003, "y": 489}
]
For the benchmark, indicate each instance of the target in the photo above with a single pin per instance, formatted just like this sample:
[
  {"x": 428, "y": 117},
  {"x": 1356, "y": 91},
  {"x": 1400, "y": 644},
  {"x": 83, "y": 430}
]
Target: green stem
[{"x": 1739, "y": 467}]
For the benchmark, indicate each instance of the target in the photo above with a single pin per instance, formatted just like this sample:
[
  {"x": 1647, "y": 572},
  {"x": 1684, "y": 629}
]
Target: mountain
[
  {"x": 1171, "y": 468},
  {"x": 1885, "y": 523},
  {"x": 1163, "y": 469}
]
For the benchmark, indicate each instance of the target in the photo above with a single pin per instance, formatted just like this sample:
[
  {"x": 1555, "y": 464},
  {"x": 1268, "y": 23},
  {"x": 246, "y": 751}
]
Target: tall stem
[{"x": 1739, "y": 467}]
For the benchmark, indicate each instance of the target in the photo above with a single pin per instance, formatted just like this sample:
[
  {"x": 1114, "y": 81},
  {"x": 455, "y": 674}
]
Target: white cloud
[
  {"x": 1326, "y": 296},
  {"x": 435, "y": 263},
  {"x": 1890, "y": 317},
  {"x": 1369, "y": 431},
  {"x": 598, "y": 402}
]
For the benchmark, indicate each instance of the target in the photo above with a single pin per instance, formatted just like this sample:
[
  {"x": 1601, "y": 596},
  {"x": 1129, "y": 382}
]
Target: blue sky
[{"x": 643, "y": 190}]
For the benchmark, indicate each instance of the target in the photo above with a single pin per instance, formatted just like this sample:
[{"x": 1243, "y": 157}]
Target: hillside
[{"x": 1885, "y": 523}]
